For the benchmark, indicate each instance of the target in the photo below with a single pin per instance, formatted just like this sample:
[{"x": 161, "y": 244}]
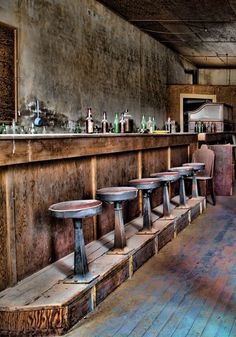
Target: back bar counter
[{"x": 39, "y": 170}]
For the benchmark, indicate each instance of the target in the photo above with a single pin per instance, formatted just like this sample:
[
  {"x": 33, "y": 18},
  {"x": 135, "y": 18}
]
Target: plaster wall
[
  {"x": 76, "y": 54},
  {"x": 217, "y": 76}
]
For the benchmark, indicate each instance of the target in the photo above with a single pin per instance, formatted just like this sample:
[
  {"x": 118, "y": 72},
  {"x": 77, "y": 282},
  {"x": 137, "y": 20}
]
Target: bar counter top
[{"x": 17, "y": 149}]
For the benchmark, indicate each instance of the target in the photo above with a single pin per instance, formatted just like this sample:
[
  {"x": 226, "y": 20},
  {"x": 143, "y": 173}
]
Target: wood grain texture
[
  {"x": 223, "y": 175},
  {"x": 33, "y": 322},
  {"x": 37, "y": 233},
  {"x": 111, "y": 282},
  {"x": 143, "y": 254},
  {"x": 4, "y": 258},
  {"x": 166, "y": 235},
  {"x": 25, "y": 149},
  {"x": 7, "y": 73},
  {"x": 42, "y": 171}
]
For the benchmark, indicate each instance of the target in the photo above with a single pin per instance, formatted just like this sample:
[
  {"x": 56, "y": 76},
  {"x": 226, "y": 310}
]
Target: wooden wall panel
[
  {"x": 7, "y": 73},
  {"x": 37, "y": 234},
  {"x": 30, "y": 238},
  {"x": 179, "y": 155},
  {"x": 4, "y": 269},
  {"x": 116, "y": 170},
  {"x": 155, "y": 161}
]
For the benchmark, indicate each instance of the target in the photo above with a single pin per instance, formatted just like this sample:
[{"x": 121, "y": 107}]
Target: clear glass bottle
[
  {"x": 154, "y": 124},
  {"x": 89, "y": 121},
  {"x": 149, "y": 124},
  {"x": 122, "y": 123},
  {"x": 105, "y": 125},
  {"x": 143, "y": 123},
  {"x": 116, "y": 125}
]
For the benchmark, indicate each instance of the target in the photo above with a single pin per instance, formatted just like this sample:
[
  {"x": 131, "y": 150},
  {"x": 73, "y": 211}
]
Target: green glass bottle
[{"x": 116, "y": 126}]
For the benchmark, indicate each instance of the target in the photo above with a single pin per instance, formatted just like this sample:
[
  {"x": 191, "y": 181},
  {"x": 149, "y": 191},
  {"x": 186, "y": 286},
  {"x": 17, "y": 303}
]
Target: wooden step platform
[{"x": 47, "y": 303}]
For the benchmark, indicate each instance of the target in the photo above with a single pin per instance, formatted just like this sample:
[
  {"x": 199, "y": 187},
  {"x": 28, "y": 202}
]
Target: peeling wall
[{"x": 76, "y": 53}]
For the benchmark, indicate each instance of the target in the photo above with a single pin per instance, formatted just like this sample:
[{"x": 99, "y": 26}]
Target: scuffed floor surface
[{"x": 188, "y": 289}]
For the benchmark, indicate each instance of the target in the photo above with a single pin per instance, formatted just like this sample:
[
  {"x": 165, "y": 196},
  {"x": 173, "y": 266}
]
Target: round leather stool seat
[
  {"x": 166, "y": 176},
  {"x": 196, "y": 168},
  {"x": 112, "y": 194},
  {"x": 116, "y": 195},
  {"x": 77, "y": 210},
  {"x": 183, "y": 171},
  {"x": 147, "y": 185}
]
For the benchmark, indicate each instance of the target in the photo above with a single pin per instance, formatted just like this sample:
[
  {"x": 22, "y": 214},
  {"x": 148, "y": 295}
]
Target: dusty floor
[{"x": 188, "y": 289}]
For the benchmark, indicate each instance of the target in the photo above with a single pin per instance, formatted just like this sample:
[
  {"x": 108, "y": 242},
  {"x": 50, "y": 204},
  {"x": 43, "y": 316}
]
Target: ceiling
[{"x": 202, "y": 31}]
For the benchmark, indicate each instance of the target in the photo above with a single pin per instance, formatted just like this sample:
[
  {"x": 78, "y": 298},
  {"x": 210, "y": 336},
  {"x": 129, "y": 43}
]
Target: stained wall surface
[{"x": 76, "y": 54}]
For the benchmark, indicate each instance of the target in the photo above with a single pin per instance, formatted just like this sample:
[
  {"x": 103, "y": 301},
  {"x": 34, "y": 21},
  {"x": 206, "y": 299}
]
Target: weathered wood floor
[{"x": 188, "y": 289}]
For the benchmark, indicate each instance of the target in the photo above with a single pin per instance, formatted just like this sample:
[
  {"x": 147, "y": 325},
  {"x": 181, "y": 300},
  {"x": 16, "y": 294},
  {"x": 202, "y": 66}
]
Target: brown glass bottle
[
  {"x": 105, "y": 125},
  {"x": 89, "y": 121}
]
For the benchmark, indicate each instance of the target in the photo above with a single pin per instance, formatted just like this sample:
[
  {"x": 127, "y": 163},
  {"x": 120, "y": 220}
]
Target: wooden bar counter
[{"x": 39, "y": 170}]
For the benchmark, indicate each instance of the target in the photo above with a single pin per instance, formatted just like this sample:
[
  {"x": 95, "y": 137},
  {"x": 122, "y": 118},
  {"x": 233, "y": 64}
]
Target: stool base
[
  {"x": 152, "y": 231},
  {"x": 81, "y": 279},
  {"x": 120, "y": 251}
]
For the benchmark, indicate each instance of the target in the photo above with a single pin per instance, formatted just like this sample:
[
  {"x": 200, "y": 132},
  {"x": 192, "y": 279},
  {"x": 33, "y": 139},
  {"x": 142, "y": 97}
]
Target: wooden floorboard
[{"x": 187, "y": 290}]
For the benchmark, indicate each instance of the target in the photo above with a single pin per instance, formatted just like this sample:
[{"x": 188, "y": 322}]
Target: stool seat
[
  {"x": 183, "y": 171},
  {"x": 112, "y": 194},
  {"x": 146, "y": 183},
  {"x": 166, "y": 176},
  {"x": 196, "y": 166},
  {"x": 76, "y": 208}
]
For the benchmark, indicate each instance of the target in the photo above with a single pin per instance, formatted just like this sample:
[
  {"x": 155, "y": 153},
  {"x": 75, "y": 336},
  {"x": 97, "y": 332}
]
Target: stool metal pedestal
[
  {"x": 147, "y": 185},
  {"x": 184, "y": 171},
  {"x": 166, "y": 178},
  {"x": 197, "y": 167},
  {"x": 116, "y": 195},
  {"x": 77, "y": 210}
]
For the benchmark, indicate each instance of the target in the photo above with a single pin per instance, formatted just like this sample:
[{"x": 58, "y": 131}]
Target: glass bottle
[
  {"x": 122, "y": 123},
  {"x": 154, "y": 124},
  {"x": 105, "y": 125},
  {"x": 149, "y": 124},
  {"x": 89, "y": 121},
  {"x": 143, "y": 123},
  {"x": 116, "y": 126}
]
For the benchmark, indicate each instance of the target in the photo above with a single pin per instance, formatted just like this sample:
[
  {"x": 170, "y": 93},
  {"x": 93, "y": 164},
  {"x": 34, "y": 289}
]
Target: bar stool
[
  {"x": 166, "y": 178},
  {"x": 77, "y": 210},
  {"x": 147, "y": 185},
  {"x": 184, "y": 171},
  {"x": 115, "y": 195},
  {"x": 197, "y": 167}
]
